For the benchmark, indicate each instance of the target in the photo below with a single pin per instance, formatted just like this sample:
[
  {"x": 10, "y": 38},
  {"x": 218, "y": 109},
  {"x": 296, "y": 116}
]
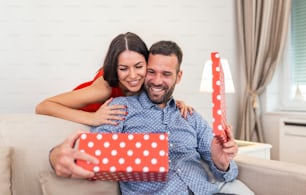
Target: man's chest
[{"x": 180, "y": 130}]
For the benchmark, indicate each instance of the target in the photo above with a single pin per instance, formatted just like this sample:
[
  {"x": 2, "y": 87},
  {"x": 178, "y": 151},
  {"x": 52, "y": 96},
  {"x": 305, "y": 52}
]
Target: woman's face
[{"x": 132, "y": 68}]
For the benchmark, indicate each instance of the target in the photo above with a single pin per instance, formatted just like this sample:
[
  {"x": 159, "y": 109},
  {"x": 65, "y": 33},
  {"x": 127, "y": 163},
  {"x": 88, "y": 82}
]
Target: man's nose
[{"x": 157, "y": 79}]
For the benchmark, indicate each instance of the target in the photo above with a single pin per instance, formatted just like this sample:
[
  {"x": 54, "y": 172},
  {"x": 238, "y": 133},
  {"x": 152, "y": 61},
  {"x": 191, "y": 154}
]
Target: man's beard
[{"x": 159, "y": 99}]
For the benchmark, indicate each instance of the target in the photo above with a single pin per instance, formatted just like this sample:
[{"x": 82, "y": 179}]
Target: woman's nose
[{"x": 132, "y": 73}]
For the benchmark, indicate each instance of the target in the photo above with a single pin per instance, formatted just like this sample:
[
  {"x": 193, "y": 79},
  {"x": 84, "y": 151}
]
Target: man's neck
[
  {"x": 126, "y": 92},
  {"x": 162, "y": 105}
]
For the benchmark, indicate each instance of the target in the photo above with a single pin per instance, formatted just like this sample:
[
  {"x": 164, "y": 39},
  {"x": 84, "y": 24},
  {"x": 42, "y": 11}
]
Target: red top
[{"x": 116, "y": 92}]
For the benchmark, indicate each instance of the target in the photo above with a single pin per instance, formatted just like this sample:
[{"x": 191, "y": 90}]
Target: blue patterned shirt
[{"x": 189, "y": 145}]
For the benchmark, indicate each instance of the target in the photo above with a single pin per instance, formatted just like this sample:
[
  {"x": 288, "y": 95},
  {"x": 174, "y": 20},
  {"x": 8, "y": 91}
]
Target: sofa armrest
[{"x": 270, "y": 176}]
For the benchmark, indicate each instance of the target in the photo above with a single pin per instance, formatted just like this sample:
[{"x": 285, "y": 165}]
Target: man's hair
[
  {"x": 167, "y": 48},
  {"x": 128, "y": 41}
]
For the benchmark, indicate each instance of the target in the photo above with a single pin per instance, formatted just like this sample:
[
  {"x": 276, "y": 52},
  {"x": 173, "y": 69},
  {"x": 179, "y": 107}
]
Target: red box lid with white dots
[
  {"x": 126, "y": 157},
  {"x": 218, "y": 98}
]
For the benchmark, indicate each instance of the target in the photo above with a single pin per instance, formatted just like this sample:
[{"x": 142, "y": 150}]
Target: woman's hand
[
  {"x": 107, "y": 114},
  {"x": 184, "y": 109}
]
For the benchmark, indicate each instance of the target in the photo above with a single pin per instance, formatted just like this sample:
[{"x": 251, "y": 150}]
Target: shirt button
[{"x": 179, "y": 170}]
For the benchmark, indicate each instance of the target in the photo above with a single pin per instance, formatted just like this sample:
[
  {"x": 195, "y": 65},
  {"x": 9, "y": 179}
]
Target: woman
[{"x": 122, "y": 74}]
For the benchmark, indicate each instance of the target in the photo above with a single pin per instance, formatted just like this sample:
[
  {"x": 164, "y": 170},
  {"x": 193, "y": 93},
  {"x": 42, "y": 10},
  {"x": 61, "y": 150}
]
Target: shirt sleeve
[{"x": 205, "y": 137}]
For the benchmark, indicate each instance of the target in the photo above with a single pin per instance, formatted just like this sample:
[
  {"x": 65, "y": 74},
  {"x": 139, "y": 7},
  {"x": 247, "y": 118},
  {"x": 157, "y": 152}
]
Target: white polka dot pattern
[
  {"x": 126, "y": 157},
  {"x": 218, "y": 98}
]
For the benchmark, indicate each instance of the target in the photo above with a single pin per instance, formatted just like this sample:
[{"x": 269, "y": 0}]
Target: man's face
[{"x": 162, "y": 76}]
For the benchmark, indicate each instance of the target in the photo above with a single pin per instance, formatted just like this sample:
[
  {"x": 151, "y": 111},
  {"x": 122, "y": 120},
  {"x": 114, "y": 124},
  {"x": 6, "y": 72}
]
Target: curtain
[{"x": 262, "y": 31}]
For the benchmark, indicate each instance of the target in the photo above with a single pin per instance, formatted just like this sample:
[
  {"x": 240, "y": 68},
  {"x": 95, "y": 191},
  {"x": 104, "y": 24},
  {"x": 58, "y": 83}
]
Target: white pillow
[
  {"x": 5, "y": 170},
  {"x": 53, "y": 185}
]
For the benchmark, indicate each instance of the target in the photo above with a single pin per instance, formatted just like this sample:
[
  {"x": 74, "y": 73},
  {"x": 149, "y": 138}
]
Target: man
[{"x": 191, "y": 141}]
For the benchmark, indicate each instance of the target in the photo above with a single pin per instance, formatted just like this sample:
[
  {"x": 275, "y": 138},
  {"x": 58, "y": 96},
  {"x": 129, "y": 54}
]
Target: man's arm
[
  {"x": 219, "y": 156},
  {"x": 62, "y": 159}
]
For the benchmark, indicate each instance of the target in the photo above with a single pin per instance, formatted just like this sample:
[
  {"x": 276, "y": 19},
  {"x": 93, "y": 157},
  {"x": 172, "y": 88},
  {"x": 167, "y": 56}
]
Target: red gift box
[
  {"x": 218, "y": 99},
  {"x": 126, "y": 157}
]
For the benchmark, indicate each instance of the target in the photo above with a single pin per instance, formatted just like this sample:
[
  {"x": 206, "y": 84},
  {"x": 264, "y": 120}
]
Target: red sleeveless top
[{"x": 116, "y": 92}]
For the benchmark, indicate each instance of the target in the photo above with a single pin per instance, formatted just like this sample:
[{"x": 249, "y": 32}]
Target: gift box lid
[{"x": 218, "y": 98}]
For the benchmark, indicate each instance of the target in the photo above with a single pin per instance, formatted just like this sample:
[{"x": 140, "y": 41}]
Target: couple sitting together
[{"x": 145, "y": 80}]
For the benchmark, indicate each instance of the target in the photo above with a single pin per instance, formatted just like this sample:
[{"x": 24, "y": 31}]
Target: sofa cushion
[
  {"x": 53, "y": 185},
  {"x": 5, "y": 170}
]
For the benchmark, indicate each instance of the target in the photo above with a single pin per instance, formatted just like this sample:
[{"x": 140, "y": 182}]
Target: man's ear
[{"x": 179, "y": 77}]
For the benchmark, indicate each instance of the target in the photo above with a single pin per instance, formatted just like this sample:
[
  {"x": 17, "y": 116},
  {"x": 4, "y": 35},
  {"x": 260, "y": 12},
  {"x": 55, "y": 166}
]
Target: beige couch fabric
[
  {"x": 272, "y": 177},
  {"x": 53, "y": 185},
  {"x": 32, "y": 136},
  {"x": 5, "y": 170}
]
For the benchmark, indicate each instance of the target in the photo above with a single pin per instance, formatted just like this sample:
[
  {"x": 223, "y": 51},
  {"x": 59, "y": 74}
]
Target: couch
[{"x": 25, "y": 140}]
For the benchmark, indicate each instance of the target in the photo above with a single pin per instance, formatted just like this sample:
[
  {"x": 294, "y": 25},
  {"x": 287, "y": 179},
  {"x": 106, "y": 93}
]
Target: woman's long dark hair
[{"x": 128, "y": 41}]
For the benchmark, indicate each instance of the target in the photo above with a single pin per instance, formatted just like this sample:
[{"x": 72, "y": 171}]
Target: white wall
[{"x": 48, "y": 46}]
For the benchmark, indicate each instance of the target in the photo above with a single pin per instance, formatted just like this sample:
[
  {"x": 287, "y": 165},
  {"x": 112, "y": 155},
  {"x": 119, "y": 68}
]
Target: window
[{"x": 293, "y": 88}]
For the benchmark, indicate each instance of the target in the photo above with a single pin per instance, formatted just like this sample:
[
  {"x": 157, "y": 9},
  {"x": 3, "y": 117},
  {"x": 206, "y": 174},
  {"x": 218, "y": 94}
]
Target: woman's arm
[{"x": 67, "y": 105}]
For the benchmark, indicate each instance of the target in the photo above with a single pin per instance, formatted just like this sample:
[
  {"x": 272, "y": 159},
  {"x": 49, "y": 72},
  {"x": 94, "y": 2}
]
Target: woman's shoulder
[{"x": 101, "y": 85}]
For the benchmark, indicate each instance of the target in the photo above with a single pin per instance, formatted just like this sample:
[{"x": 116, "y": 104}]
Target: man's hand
[
  {"x": 63, "y": 156},
  {"x": 223, "y": 153}
]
